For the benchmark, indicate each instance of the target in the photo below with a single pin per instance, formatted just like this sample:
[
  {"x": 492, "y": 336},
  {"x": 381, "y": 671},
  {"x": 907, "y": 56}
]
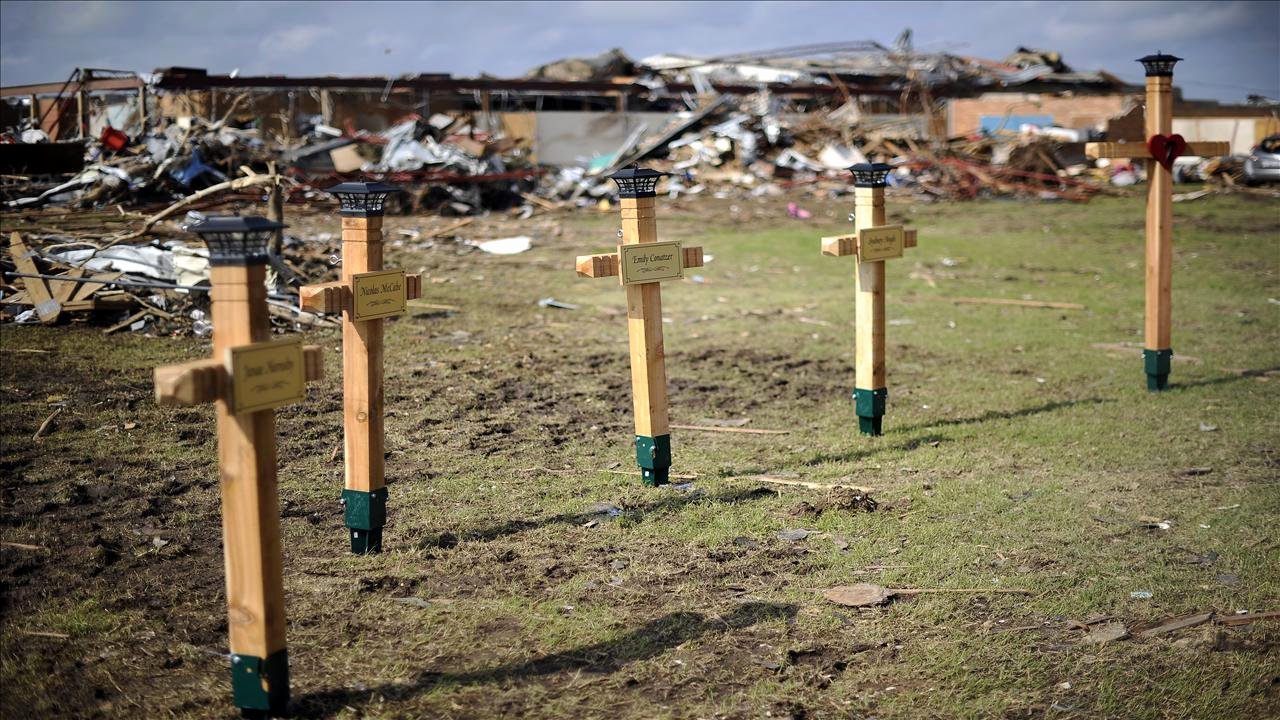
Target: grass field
[{"x": 522, "y": 579}]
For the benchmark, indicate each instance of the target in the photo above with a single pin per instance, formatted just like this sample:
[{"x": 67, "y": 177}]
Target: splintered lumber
[
  {"x": 1249, "y": 618},
  {"x": 774, "y": 480},
  {"x": 1014, "y": 303},
  {"x": 237, "y": 184},
  {"x": 64, "y": 289},
  {"x": 47, "y": 307},
  {"x": 637, "y": 473},
  {"x": 451, "y": 227},
  {"x": 865, "y": 594},
  {"x": 127, "y": 321},
  {"x": 717, "y": 428}
]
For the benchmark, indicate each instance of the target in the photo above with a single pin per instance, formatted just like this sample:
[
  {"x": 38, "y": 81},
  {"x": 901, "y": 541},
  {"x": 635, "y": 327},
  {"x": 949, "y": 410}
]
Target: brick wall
[{"x": 1080, "y": 111}]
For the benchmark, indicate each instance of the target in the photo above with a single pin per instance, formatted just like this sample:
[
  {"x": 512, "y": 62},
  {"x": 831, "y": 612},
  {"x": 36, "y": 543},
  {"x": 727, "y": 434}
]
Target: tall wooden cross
[
  {"x": 871, "y": 243},
  {"x": 1164, "y": 147},
  {"x": 366, "y": 295},
  {"x": 247, "y": 377},
  {"x": 640, "y": 264}
]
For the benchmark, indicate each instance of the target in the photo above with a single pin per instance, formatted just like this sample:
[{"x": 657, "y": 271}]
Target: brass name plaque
[
  {"x": 266, "y": 375},
  {"x": 880, "y": 243},
  {"x": 378, "y": 294},
  {"x": 650, "y": 262}
]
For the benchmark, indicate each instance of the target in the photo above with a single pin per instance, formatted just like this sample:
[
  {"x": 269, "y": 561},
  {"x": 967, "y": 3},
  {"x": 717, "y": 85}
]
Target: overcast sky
[{"x": 1231, "y": 48}]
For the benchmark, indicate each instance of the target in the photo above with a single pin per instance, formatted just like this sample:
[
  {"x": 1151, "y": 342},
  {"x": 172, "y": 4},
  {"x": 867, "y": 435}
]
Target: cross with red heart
[{"x": 1165, "y": 148}]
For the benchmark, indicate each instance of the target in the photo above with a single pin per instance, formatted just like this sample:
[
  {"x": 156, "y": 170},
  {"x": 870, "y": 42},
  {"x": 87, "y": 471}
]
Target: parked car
[{"x": 1263, "y": 163}]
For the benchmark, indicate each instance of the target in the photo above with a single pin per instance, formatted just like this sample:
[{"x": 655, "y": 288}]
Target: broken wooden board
[{"x": 46, "y": 306}]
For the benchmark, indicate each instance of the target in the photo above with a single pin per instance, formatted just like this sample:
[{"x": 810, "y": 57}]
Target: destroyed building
[
  {"x": 459, "y": 144},
  {"x": 131, "y": 154}
]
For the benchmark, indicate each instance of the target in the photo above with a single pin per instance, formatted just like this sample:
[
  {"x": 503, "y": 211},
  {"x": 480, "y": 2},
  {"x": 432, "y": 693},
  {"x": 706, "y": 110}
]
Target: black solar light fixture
[
  {"x": 637, "y": 182},
  {"x": 362, "y": 199},
  {"x": 870, "y": 175},
  {"x": 1159, "y": 65},
  {"x": 236, "y": 239}
]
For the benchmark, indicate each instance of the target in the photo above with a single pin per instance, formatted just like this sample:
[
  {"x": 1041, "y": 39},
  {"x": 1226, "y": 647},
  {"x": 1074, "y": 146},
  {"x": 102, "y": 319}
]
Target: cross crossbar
[
  {"x": 206, "y": 381},
  {"x": 846, "y": 245},
  {"x": 606, "y": 264},
  {"x": 1137, "y": 150},
  {"x": 334, "y": 297}
]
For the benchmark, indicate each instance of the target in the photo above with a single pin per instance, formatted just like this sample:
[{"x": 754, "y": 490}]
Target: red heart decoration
[{"x": 1165, "y": 148}]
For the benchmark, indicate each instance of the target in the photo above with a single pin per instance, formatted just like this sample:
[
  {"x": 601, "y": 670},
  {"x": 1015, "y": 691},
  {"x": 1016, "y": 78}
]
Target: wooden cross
[
  {"x": 1163, "y": 147},
  {"x": 871, "y": 243},
  {"x": 247, "y": 377},
  {"x": 640, "y": 264},
  {"x": 365, "y": 296}
]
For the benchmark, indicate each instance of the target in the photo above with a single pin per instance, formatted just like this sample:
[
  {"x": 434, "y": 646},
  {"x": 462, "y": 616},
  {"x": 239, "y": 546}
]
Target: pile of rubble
[
  {"x": 756, "y": 123},
  {"x": 159, "y": 287}
]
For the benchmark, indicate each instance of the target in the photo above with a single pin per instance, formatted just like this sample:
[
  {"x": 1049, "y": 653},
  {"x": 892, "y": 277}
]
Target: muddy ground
[{"x": 527, "y": 576}]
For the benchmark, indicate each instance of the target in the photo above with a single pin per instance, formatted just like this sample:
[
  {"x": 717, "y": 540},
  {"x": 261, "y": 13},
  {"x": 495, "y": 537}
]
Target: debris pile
[
  {"x": 753, "y": 145},
  {"x": 760, "y": 122},
  {"x": 158, "y": 288}
]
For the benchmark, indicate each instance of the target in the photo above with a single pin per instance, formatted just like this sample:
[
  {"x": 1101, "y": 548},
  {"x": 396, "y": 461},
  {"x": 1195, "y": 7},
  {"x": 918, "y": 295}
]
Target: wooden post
[
  {"x": 365, "y": 295},
  {"x": 648, "y": 356},
  {"x": 641, "y": 272},
  {"x": 326, "y": 106},
  {"x": 1158, "y": 349},
  {"x": 250, "y": 504},
  {"x": 362, "y": 402},
  {"x": 80, "y": 106},
  {"x": 871, "y": 244},
  {"x": 1161, "y": 149},
  {"x": 142, "y": 107},
  {"x": 275, "y": 213},
  {"x": 245, "y": 415},
  {"x": 485, "y": 108},
  {"x": 870, "y": 390}
]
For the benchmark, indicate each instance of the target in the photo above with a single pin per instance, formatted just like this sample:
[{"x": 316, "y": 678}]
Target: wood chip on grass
[{"x": 867, "y": 594}]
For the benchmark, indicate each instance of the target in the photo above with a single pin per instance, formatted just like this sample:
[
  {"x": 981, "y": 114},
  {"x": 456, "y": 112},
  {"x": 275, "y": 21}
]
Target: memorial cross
[
  {"x": 641, "y": 263},
  {"x": 247, "y": 377},
  {"x": 871, "y": 243},
  {"x": 1164, "y": 147},
  {"x": 365, "y": 295}
]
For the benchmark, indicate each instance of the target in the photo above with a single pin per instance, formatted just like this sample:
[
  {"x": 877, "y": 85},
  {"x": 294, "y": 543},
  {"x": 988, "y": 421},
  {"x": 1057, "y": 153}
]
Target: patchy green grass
[{"x": 1021, "y": 450}]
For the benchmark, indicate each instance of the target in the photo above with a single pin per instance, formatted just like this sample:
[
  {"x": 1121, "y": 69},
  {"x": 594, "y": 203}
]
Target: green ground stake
[
  {"x": 869, "y": 405},
  {"x": 261, "y": 687},
  {"x": 653, "y": 455},
  {"x": 1156, "y": 363},
  {"x": 365, "y": 514}
]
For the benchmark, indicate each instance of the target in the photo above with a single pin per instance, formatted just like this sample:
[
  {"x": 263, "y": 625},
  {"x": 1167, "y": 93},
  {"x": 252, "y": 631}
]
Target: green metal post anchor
[
  {"x": 366, "y": 513},
  {"x": 869, "y": 404},
  {"x": 1156, "y": 363},
  {"x": 653, "y": 455},
  {"x": 261, "y": 687}
]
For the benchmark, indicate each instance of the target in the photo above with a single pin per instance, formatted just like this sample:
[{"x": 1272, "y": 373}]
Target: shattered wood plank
[
  {"x": 450, "y": 228},
  {"x": 47, "y": 425},
  {"x": 1232, "y": 620},
  {"x": 47, "y": 308},
  {"x": 773, "y": 480},
  {"x": 1015, "y": 303},
  {"x": 1177, "y": 624},
  {"x": 88, "y": 289},
  {"x": 719, "y": 428},
  {"x": 127, "y": 321},
  {"x": 637, "y": 473},
  {"x": 64, "y": 289}
]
